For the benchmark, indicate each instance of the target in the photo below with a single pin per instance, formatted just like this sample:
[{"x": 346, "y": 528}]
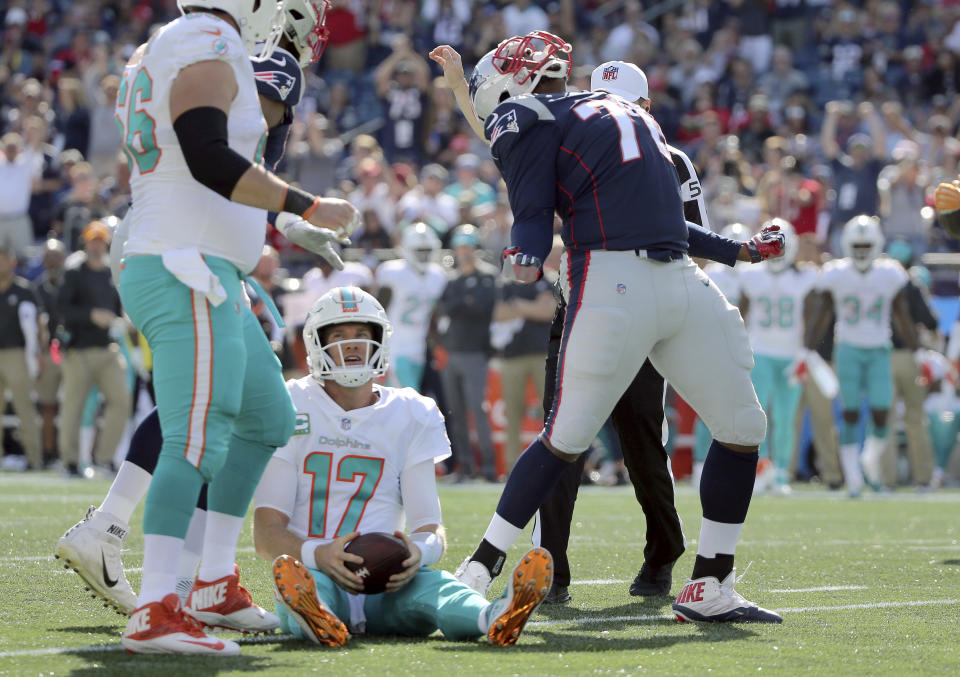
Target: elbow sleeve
[{"x": 202, "y": 133}]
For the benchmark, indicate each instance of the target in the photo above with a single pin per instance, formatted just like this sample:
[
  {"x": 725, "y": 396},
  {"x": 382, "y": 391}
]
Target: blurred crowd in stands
[{"x": 809, "y": 110}]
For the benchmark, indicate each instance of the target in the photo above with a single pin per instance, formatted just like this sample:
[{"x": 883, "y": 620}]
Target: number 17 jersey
[{"x": 349, "y": 463}]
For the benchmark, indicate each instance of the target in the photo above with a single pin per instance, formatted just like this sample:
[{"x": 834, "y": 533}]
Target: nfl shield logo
[
  {"x": 610, "y": 72},
  {"x": 345, "y": 423},
  {"x": 621, "y": 288}
]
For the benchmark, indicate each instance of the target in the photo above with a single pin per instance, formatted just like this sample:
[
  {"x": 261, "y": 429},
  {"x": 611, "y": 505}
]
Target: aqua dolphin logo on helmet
[
  {"x": 340, "y": 306},
  {"x": 260, "y": 21}
]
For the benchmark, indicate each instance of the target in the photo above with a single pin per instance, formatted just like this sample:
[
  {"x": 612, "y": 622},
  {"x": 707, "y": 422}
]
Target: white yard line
[
  {"x": 823, "y": 588},
  {"x": 596, "y": 620}
]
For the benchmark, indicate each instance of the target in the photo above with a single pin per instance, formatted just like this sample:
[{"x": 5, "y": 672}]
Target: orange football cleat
[
  {"x": 161, "y": 627},
  {"x": 226, "y": 604},
  {"x": 297, "y": 591},
  {"x": 528, "y": 586}
]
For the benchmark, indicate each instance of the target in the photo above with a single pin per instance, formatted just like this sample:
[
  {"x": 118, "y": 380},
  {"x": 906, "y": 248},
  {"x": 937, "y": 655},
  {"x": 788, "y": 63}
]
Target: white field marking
[
  {"x": 598, "y": 620},
  {"x": 59, "y": 651},
  {"x": 49, "y": 558},
  {"x": 134, "y": 570},
  {"x": 952, "y": 546},
  {"x": 600, "y": 581},
  {"x": 822, "y": 588}
]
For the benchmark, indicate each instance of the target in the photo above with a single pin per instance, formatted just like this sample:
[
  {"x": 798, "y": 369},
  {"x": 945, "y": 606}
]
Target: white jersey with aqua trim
[
  {"x": 412, "y": 301},
  {"x": 726, "y": 279},
  {"x": 349, "y": 463},
  {"x": 175, "y": 211},
  {"x": 862, "y": 301},
  {"x": 775, "y": 317}
]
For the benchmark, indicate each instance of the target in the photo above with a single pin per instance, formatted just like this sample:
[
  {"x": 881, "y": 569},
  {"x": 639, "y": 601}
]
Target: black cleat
[
  {"x": 559, "y": 594},
  {"x": 652, "y": 581}
]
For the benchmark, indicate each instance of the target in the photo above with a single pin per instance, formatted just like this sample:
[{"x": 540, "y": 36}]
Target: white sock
[
  {"x": 501, "y": 534},
  {"x": 219, "y": 545},
  {"x": 850, "y": 463},
  {"x": 718, "y": 538},
  {"x": 160, "y": 555},
  {"x": 192, "y": 546},
  {"x": 128, "y": 489}
]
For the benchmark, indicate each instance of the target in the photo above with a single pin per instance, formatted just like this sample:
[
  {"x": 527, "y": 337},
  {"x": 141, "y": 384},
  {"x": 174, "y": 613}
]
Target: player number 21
[
  {"x": 624, "y": 115},
  {"x": 320, "y": 465}
]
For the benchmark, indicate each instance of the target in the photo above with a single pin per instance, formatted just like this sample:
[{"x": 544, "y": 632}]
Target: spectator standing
[
  {"x": 466, "y": 311},
  {"x": 19, "y": 346},
  {"x": 313, "y": 161},
  {"x": 73, "y": 118},
  {"x": 468, "y": 179},
  {"x": 522, "y": 16},
  {"x": 428, "y": 202},
  {"x": 89, "y": 304},
  {"x": 522, "y": 316},
  {"x": 402, "y": 81},
  {"x": 902, "y": 189},
  {"x": 18, "y": 172},
  {"x": 782, "y": 80},
  {"x": 81, "y": 206},
  {"x": 104, "y": 134},
  {"x": 47, "y": 289},
  {"x": 49, "y": 180}
]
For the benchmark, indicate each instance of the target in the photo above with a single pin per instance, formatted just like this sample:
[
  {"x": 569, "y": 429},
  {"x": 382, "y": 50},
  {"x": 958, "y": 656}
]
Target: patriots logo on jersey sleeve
[
  {"x": 279, "y": 81},
  {"x": 610, "y": 72},
  {"x": 504, "y": 124}
]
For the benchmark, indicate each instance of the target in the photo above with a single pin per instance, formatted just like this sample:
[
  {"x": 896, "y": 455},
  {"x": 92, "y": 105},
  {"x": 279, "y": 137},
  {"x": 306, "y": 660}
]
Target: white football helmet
[
  {"x": 515, "y": 67},
  {"x": 419, "y": 244},
  {"x": 737, "y": 231},
  {"x": 306, "y": 27},
  {"x": 790, "y": 246},
  {"x": 862, "y": 241},
  {"x": 339, "y": 306},
  {"x": 260, "y": 21}
]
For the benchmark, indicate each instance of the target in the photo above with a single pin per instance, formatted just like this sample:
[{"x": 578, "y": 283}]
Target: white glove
[
  {"x": 933, "y": 367},
  {"x": 313, "y": 238}
]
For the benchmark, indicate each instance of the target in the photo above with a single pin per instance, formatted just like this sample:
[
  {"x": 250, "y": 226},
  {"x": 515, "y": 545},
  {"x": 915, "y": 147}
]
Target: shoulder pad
[
  {"x": 514, "y": 116},
  {"x": 279, "y": 77}
]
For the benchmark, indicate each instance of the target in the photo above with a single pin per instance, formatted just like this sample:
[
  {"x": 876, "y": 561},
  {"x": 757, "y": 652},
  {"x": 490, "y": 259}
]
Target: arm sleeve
[
  {"x": 525, "y": 151},
  {"x": 278, "y": 487},
  {"x": 276, "y": 145},
  {"x": 418, "y": 489},
  {"x": 706, "y": 244}
]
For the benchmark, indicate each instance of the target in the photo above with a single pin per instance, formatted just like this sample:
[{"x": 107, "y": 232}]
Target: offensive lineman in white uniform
[
  {"x": 362, "y": 460},
  {"x": 773, "y": 297},
  {"x": 409, "y": 288},
  {"x": 863, "y": 290},
  {"x": 194, "y": 132}
]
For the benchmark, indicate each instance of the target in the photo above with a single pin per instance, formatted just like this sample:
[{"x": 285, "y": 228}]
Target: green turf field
[{"x": 866, "y": 587}]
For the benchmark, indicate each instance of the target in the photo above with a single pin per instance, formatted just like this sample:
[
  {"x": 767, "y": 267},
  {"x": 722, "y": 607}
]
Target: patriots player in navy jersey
[
  {"x": 92, "y": 547},
  {"x": 602, "y": 164}
]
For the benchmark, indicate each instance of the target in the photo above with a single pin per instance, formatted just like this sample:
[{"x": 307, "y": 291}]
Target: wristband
[
  {"x": 308, "y": 550},
  {"x": 300, "y": 202},
  {"x": 430, "y": 545}
]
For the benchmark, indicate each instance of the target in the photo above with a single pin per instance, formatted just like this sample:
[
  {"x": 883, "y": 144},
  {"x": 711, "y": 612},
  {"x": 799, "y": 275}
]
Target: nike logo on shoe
[
  {"x": 139, "y": 622},
  {"x": 106, "y": 575},
  {"x": 692, "y": 592},
  {"x": 209, "y": 596},
  {"x": 216, "y": 645}
]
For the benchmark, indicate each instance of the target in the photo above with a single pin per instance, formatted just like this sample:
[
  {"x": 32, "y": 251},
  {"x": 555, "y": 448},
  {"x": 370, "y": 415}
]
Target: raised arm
[{"x": 449, "y": 59}]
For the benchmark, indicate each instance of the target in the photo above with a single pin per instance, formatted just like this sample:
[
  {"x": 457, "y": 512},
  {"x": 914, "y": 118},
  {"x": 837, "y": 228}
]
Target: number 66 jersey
[
  {"x": 343, "y": 471},
  {"x": 173, "y": 210}
]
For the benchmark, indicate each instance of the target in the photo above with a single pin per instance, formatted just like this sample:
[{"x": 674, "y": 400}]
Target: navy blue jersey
[{"x": 600, "y": 162}]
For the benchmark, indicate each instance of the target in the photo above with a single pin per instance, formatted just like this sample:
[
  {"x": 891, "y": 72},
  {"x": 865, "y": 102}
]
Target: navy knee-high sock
[
  {"x": 531, "y": 480},
  {"x": 726, "y": 487}
]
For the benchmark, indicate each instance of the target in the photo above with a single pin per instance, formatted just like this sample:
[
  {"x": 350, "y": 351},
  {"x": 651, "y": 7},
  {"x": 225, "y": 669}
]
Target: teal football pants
[
  {"x": 864, "y": 371},
  {"x": 780, "y": 400}
]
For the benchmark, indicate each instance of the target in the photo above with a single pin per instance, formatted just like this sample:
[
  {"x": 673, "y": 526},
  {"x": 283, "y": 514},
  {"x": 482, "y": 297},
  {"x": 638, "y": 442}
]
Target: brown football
[{"x": 383, "y": 555}]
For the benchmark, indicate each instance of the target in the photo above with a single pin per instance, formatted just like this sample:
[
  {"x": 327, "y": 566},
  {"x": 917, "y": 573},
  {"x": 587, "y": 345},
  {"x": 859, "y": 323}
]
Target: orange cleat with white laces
[
  {"x": 297, "y": 591},
  {"x": 225, "y": 604},
  {"x": 161, "y": 627}
]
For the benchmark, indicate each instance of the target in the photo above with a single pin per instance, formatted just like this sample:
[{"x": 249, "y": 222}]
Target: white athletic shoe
[
  {"x": 227, "y": 605},
  {"x": 528, "y": 587},
  {"x": 709, "y": 600},
  {"x": 474, "y": 575},
  {"x": 162, "y": 627},
  {"x": 92, "y": 548},
  {"x": 871, "y": 460}
]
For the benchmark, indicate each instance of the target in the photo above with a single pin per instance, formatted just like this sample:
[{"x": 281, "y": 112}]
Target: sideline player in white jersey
[
  {"x": 773, "y": 296},
  {"x": 409, "y": 288},
  {"x": 362, "y": 460},
  {"x": 194, "y": 134},
  {"x": 864, "y": 291}
]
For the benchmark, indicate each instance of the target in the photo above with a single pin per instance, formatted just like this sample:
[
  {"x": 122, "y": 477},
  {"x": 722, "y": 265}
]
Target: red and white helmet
[
  {"x": 306, "y": 27},
  {"x": 515, "y": 67},
  {"x": 260, "y": 21},
  {"x": 338, "y": 306}
]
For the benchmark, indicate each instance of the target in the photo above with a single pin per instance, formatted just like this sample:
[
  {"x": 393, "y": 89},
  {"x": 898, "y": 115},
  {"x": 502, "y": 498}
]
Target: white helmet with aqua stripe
[{"x": 338, "y": 359}]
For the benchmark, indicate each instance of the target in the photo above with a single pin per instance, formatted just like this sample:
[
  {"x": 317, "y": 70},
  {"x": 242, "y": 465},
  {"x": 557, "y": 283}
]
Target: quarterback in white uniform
[
  {"x": 864, "y": 291},
  {"x": 409, "y": 288},
  {"x": 362, "y": 460},
  {"x": 773, "y": 295},
  {"x": 193, "y": 133}
]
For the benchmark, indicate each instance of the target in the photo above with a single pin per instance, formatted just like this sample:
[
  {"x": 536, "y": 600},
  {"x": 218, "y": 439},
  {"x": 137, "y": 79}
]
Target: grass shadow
[
  {"x": 113, "y": 662},
  {"x": 108, "y": 630}
]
